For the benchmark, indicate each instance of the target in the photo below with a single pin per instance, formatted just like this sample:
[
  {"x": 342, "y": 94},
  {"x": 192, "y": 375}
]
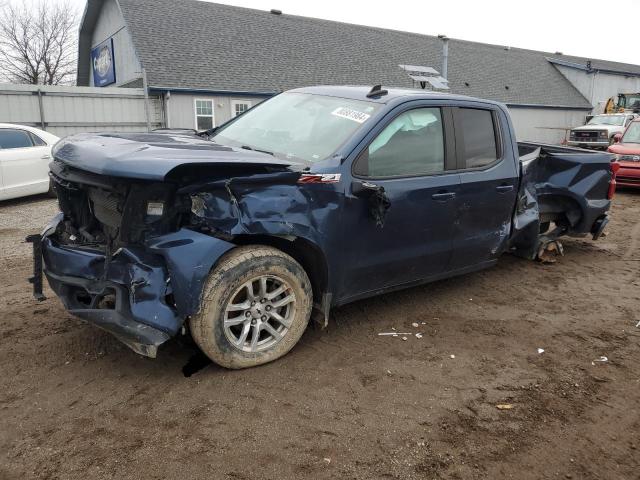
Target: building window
[
  {"x": 239, "y": 106},
  {"x": 204, "y": 114}
]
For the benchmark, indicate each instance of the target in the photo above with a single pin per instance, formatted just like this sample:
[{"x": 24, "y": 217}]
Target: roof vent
[
  {"x": 507, "y": 47},
  {"x": 558, "y": 53},
  {"x": 275, "y": 11}
]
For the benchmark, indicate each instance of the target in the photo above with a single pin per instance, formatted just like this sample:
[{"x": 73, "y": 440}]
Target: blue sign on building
[{"x": 103, "y": 64}]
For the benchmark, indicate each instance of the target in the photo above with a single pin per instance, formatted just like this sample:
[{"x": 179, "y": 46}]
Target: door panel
[
  {"x": 25, "y": 167},
  {"x": 408, "y": 158},
  {"x": 486, "y": 203},
  {"x": 3, "y": 194},
  {"x": 488, "y": 187},
  {"x": 416, "y": 239}
]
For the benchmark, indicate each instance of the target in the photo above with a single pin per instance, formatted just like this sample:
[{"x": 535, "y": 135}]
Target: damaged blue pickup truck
[{"x": 315, "y": 198}]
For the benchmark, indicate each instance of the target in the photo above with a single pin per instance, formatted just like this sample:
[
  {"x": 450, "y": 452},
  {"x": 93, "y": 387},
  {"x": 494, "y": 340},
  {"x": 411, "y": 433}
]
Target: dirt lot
[{"x": 346, "y": 403}]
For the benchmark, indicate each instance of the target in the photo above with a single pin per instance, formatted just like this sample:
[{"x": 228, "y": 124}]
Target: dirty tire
[{"x": 235, "y": 269}]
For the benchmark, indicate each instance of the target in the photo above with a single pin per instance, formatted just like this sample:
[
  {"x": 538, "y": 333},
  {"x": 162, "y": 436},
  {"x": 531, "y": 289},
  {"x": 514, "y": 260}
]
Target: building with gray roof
[{"x": 209, "y": 62}]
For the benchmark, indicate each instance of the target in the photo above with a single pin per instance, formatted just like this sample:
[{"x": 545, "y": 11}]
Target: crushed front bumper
[{"x": 142, "y": 295}]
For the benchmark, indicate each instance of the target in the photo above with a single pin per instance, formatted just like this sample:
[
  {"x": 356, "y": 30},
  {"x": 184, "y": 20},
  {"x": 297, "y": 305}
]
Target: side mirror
[{"x": 617, "y": 137}]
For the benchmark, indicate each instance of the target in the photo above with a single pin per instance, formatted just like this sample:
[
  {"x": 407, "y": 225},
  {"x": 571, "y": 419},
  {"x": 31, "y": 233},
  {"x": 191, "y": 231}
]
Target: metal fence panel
[{"x": 63, "y": 110}]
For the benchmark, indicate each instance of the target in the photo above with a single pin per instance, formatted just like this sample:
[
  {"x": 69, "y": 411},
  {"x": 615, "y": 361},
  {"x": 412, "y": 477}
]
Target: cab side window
[
  {"x": 412, "y": 144},
  {"x": 10, "y": 138},
  {"x": 478, "y": 147}
]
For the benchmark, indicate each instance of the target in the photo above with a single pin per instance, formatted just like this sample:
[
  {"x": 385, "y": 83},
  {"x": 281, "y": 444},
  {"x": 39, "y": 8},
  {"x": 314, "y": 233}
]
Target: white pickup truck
[{"x": 600, "y": 130}]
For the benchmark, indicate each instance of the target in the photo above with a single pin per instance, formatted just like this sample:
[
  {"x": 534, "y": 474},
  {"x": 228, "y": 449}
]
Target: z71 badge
[{"x": 319, "y": 178}]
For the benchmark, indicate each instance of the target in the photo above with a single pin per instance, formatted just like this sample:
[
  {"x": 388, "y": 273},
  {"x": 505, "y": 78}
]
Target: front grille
[
  {"x": 586, "y": 135},
  {"x": 106, "y": 207}
]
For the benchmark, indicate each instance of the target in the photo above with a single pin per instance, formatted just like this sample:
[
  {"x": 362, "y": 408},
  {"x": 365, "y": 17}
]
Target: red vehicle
[{"x": 627, "y": 152}]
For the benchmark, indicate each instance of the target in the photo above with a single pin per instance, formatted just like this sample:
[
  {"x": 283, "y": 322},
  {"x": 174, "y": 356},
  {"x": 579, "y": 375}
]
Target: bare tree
[{"x": 38, "y": 42}]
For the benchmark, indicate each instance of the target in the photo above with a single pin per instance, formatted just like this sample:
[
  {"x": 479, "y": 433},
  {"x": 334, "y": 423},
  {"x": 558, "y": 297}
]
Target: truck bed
[{"x": 562, "y": 191}]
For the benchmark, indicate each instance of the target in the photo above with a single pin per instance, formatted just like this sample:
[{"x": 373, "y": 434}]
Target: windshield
[
  {"x": 632, "y": 135},
  {"x": 297, "y": 125},
  {"x": 630, "y": 101},
  {"x": 607, "y": 120}
]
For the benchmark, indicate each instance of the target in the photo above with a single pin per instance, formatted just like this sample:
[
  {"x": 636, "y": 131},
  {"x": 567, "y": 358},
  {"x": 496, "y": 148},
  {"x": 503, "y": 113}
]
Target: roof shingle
[{"x": 194, "y": 44}]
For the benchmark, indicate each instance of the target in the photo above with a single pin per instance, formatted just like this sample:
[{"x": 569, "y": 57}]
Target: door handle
[
  {"x": 504, "y": 188},
  {"x": 443, "y": 196}
]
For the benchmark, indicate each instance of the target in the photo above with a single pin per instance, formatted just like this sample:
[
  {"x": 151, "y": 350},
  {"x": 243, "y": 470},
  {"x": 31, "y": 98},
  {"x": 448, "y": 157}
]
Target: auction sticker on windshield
[{"x": 350, "y": 114}]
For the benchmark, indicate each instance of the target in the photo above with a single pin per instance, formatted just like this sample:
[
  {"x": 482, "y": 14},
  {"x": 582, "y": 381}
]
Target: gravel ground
[{"x": 345, "y": 403}]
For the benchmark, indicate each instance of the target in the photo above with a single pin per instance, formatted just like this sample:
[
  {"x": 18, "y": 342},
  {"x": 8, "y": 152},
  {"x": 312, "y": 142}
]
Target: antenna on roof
[
  {"x": 376, "y": 91},
  {"x": 275, "y": 11}
]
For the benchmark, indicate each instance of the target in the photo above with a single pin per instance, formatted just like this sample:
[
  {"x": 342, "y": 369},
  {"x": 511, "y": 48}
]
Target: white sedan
[{"x": 25, "y": 153}]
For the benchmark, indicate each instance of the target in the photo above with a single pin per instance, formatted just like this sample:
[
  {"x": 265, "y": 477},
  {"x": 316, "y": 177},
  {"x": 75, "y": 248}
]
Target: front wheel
[{"x": 255, "y": 307}]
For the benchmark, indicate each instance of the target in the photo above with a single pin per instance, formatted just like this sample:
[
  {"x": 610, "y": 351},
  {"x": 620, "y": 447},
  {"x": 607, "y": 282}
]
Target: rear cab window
[
  {"x": 477, "y": 138},
  {"x": 13, "y": 138}
]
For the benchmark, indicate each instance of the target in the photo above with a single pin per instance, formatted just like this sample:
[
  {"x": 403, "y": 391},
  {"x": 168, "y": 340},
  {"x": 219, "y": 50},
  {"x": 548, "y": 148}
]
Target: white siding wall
[
  {"x": 181, "y": 108},
  {"x": 111, "y": 24},
  {"x": 545, "y": 125},
  {"x": 599, "y": 87}
]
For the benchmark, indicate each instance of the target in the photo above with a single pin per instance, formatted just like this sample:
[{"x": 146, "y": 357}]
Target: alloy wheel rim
[{"x": 259, "y": 313}]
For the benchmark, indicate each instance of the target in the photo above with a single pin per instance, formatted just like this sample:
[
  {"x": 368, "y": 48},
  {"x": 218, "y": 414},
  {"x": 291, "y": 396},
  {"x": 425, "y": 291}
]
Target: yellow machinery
[{"x": 626, "y": 102}]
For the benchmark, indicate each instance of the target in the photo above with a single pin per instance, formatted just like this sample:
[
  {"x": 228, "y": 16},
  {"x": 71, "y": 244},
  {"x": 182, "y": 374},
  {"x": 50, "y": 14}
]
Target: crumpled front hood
[{"x": 151, "y": 156}]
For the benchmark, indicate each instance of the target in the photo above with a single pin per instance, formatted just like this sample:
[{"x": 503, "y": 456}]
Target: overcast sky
[{"x": 587, "y": 28}]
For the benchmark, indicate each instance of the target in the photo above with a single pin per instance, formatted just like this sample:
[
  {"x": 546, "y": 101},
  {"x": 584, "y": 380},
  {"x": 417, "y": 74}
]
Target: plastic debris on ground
[
  {"x": 504, "y": 406},
  {"x": 541, "y": 350},
  {"x": 602, "y": 359}
]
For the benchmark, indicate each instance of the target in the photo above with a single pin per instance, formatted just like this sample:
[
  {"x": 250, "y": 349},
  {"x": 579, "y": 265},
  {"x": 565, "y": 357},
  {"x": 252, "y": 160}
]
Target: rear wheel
[{"x": 255, "y": 307}]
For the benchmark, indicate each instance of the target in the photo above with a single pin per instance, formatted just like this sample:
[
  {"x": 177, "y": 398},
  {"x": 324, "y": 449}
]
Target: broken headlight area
[{"x": 108, "y": 212}]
